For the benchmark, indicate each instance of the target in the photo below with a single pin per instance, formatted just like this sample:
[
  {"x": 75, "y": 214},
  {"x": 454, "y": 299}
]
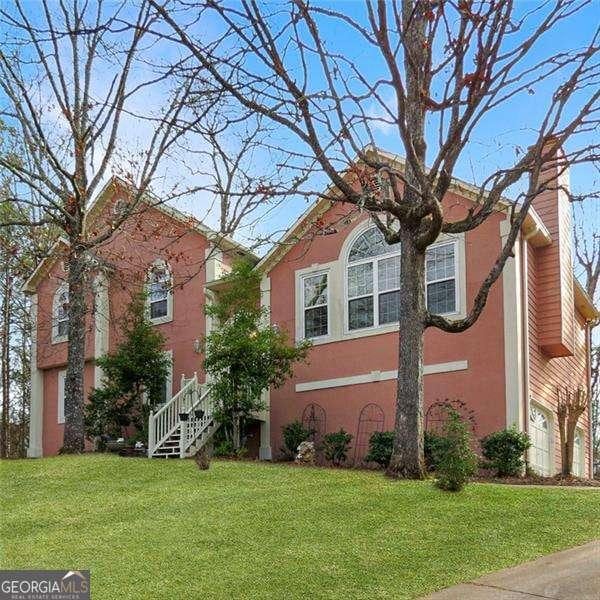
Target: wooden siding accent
[
  {"x": 546, "y": 372},
  {"x": 555, "y": 295}
]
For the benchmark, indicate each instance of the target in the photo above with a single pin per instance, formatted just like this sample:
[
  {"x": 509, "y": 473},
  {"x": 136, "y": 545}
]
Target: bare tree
[
  {"x": 20, "y": 248},
  {"x": 587, "y": 255},
  {"x": 433, "y": 72},
  {"x": 71, "y": 78},
  {"x": 571, "y": 405}
]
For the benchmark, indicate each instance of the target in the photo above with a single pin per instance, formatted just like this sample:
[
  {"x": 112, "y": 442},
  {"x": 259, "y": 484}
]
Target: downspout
[
  {"x": 588, "y": 359},
  {"x": 525, "y": 328}
]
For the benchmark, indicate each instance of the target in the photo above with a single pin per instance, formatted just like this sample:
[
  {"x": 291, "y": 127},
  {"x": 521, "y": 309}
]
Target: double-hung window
[
  {"x": 373, "y": 281},
  {"x": 60, "y": 315},
  {"x": 441, "y": 279},
  {"x": 159, "y": 293},
  {"x": 315, "y": 291}
]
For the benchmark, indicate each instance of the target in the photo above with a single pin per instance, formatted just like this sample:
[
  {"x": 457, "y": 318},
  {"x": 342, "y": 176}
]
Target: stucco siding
[{"x": 481, "y": 386}]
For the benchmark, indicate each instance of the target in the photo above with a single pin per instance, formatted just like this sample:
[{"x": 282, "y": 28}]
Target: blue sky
[
  {"x": 492, "y": 145},
  {"x": 496, "y": 140}
]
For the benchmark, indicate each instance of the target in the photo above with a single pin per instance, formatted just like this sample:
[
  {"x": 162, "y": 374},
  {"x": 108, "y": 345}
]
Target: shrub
[
  {"x": 224, "y": 448},
  {"x": 294, "y": 434},
  {"x": 381, "y": 444},
  {"x": 458, "y": 461},
  {"x": 336, "y": 446},
  {"x": 504, "y": 451},
  {"x": 434, "y": 448}
]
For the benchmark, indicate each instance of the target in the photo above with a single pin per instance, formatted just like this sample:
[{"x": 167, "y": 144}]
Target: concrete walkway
[{"x": 568, "y": 575}]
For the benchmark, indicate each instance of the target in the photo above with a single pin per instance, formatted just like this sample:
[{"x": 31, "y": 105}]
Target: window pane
[
  {"x": 441, "y": 297},
  {"x": 315, "y": 322},
  {"x": 389, "y": 273},
  {"x": 440, "y": 262},
  {"x": 158, "y": 309},
  {"x": 388, "y": 307},
  {"x": 315, "y": 290},
  {"x": 370, "y": 243},
  {"x": 360, "y": 280},
  {"x": 61, "y": 329},
  {"x": 63, "y": 305},
  {"x": 360, "y": 313},
  {"x": 158, "y": 291}
]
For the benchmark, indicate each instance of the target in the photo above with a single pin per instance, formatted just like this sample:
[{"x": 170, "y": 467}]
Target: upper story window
[
  {"x": 315, "y": 290},
  {"x": 60, "y": 314},
  {"x": 160, "y": 297},
  {"x": 441, "y": 278},
  {"x": 373, "y": 280}
]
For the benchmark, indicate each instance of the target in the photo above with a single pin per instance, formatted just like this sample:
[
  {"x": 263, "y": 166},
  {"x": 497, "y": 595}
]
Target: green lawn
[{"x": 164, "y": 529}]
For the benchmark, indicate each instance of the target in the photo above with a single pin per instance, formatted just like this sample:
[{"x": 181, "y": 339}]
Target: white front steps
[{"x": 184, "y": 424}]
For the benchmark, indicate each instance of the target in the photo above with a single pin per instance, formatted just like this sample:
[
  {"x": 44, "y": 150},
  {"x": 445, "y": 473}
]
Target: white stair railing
[
  {"x": 163, "y": 423},
  {"x": 200, "y": 418}
]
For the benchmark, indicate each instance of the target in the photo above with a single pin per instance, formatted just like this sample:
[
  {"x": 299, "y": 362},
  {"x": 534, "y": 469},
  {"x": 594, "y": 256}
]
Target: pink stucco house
[{"x": 332, "y": 279}]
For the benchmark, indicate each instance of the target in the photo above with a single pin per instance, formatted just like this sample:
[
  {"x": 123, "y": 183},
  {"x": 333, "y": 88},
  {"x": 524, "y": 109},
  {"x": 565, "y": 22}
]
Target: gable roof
[
  {"x": 95, "y": 209},
  {"x": 533, "y": 226},
  {"x": 583, "y": 303}
]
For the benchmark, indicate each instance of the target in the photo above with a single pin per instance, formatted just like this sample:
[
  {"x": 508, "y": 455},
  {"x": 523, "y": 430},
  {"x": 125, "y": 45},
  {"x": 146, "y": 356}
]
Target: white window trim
[
  {"x": 301, "y": 276},
  {"x": 169, "y": 316},
  {"x": 60, "y": 396},
  {"x": 456, "y": 277},
  {"x": 57, "y": 339},
  {"x": 548, "y": 414},
  {"x": 386, "y": 327}
]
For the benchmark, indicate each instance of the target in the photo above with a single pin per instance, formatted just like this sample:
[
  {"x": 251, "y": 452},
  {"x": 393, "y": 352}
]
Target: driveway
[{"x": 568, "y": 575}]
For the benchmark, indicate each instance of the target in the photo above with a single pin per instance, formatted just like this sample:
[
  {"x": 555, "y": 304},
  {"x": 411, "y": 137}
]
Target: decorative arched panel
[
  {"x": 314, "y": 419},
  {"x": 371, "y": 419},
  {"x": 437, "y": 415}
]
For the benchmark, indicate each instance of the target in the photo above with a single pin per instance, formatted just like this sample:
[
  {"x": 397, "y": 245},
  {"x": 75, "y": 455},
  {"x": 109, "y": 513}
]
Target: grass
[{"x": 164, "y": 529}]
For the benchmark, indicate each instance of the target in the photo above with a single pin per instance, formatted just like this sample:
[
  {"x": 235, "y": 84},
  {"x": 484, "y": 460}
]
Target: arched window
[
  {"x": 60, "y": 314},
  {"x": 540, "y": 434},
  {"x": 373, "y": 281},
  {"x": 160, "y": 297}
]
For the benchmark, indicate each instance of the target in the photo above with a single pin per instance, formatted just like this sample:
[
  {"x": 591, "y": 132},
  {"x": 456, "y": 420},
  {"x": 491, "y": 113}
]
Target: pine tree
[{"x": 133, "y": 379}]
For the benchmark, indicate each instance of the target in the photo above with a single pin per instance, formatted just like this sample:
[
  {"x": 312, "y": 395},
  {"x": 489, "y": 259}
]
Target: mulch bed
[
  {"x": 129, "y": 452},
  {"x": 558, "y": 480}
]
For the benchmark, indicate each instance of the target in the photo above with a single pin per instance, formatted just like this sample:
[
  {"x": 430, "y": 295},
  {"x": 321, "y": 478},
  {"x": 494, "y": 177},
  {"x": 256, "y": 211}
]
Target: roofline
[
  {"x": 584, "y": 304},
  {"x": 221, "y": 241},
  {"x": 533, "y": 227},
  {"x": 44, "y": 266}
]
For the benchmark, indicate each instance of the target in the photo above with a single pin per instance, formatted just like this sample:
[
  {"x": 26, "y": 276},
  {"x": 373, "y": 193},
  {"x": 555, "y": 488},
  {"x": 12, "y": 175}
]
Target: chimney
[{"x": 555, "y": 297}]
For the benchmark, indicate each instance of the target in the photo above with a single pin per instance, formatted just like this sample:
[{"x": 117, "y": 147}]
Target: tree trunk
[
  {"x": 567, "y": 466},
  {"x": 25, "y": 393},
  {"x": 407, "y": 457},
  {"x": 237, "y": 438},
  {"x": 5, "y": 363},
  {"x": 74, "y": 435},
  {"x": 562, "y": 432}
]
